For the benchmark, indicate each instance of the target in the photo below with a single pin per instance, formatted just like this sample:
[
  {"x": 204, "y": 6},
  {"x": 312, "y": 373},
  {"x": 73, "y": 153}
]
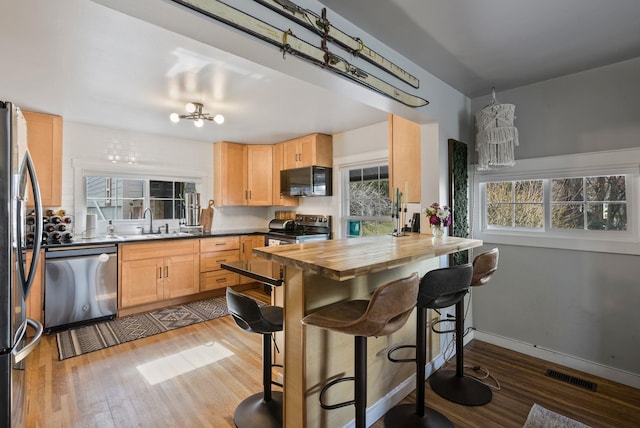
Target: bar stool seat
[
  {"x": 263, "y": 409},
  {"x": 439, "y": 288},
  {"x": 386, "y": 312}
]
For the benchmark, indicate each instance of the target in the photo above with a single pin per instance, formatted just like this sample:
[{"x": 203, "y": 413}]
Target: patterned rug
[
  {"x": 82, "y": 340},
  {"x": 539, "y": 417}
]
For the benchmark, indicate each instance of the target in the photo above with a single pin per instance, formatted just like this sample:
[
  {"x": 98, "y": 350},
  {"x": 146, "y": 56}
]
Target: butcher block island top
[
  {"x": 316, "y": 274},
  {"x": 343, "y": 259}
]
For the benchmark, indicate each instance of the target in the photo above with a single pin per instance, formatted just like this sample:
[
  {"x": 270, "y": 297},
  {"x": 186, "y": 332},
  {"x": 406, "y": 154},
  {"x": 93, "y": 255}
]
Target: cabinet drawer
[
  {"x": 167, "y": 247},
  {"x": 220, "y": 244},
  {"x": 211, "y": 261},
  {"x": 218, "y": 279}
]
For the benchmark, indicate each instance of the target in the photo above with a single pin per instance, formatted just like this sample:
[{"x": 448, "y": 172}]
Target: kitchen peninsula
[{"x": 320, "y": 273}]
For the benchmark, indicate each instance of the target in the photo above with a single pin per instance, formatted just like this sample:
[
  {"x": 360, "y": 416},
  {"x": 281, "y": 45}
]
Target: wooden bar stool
[
  {"x": 439, "y": 288},
  {"x": 386, "y": 312},
  {"x": 454, "y": 385},
  {"x": 263, "y": 409}
]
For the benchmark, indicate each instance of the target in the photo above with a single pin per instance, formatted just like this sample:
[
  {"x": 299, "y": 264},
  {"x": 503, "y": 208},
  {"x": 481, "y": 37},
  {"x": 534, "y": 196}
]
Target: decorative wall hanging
[
  {"x": 458, "y": 198},
  {"x": 354, "y": 45},
  {"x": 496, "y": 136},
  {"x": 292, "y": 45}
]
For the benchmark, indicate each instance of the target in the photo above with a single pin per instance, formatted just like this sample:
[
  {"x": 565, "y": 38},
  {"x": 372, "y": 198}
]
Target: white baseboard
[{"x": 596, "y": 369}]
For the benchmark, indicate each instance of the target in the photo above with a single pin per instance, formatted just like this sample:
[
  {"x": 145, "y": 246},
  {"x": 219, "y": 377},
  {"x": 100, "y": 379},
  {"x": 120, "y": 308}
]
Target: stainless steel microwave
[{"x": 308, "y": 181}]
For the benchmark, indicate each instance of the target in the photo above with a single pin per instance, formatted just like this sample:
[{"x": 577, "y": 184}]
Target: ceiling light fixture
[
  {"x": 194, "y": 112},
  {"x": 496, "y": 136}
]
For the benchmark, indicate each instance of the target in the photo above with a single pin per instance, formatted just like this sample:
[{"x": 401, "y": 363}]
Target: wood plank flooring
[{"x": 106, "y": 389}]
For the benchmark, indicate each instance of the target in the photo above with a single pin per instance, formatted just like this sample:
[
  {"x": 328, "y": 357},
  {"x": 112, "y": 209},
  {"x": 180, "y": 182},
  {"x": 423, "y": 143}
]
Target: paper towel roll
[{"x": 90, "y": 229}]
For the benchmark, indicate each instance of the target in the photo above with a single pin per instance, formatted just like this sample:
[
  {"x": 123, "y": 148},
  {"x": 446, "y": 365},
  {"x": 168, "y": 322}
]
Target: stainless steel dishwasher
[{"x": 81, "y": 285}]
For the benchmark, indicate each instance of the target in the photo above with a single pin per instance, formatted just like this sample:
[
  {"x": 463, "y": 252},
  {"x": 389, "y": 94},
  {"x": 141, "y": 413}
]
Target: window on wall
[
  {"x": 367, "y": 208},
  {"x": 516, "y": 204},
  {"x": 596, "y": 203},
  {"x": 589, "y": 203},
  {"x": 114, "y": 198},
  {"x": 582, "y": 202}
]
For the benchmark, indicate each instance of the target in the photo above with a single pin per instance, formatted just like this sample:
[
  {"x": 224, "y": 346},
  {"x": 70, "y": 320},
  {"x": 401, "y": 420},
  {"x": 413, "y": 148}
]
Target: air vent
[{"x": 563, "y": 377}]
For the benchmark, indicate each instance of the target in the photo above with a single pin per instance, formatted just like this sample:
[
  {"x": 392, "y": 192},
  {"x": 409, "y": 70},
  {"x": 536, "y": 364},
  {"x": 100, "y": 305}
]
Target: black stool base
[
  {"x": 404, "y": 416},
  {"x": 254, "y": 412},
  {"x": 462, "y": 390}
]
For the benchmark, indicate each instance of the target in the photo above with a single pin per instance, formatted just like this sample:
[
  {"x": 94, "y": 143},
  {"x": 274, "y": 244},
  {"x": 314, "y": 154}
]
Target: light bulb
[
  {"x": 198, "y": 123},
  {"x": 174, "y": 117},
  {"x": 219, "y": 119},
  {"x": 190, "y": 107}
]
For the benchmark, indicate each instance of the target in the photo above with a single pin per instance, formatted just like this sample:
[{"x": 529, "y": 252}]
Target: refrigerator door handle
[
  {"x": 21, "y": 354},
  {"x": 28, "y": 167}
]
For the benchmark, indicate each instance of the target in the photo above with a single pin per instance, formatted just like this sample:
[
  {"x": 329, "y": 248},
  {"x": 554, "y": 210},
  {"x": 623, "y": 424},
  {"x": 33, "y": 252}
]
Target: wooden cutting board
[{"x": 206, "y": 217}]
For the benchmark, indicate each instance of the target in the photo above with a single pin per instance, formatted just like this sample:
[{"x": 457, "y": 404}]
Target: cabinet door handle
[
  {"x": 166, "y": 271},
  {"x": 160, "y": 272},
  {"x": 243, "y": 247},
  {"x": 221, "y": 280},
  {"x": 221, "y": 261},
  {"x": 245, "y": 194}
]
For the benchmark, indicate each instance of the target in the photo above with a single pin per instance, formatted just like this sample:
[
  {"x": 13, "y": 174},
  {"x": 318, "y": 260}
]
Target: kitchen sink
[{"x": 146, "y": 236}]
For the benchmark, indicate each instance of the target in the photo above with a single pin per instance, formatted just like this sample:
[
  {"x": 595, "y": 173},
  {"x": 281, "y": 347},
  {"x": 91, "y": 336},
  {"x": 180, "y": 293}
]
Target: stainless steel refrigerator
[{"x": 15, "y": 276}]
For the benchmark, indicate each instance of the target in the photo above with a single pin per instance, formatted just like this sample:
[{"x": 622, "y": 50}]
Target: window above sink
[{"x": 117, "y": 198}]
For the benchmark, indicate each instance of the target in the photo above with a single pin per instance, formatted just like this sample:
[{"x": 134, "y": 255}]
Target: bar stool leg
[
  {"x": 454, "y": 385},
  {"x": 360, "y": 372},
  {"x": 418, "y": 415},
  {"x": 263, "y": 409}
]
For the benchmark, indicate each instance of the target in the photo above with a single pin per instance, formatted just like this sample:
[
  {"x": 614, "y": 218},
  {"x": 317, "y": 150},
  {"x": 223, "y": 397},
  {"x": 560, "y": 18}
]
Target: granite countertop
[
  {"x": 125, "y": 239},
  {"x": 343, "y": 259}
]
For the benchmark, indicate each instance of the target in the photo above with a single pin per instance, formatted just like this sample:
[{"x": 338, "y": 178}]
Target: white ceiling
[{"x": 95, "y": 65}]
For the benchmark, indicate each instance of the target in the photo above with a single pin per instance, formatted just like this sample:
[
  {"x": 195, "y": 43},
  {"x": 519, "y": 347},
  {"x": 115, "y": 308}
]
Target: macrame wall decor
[{"x": 496, "y": 136}]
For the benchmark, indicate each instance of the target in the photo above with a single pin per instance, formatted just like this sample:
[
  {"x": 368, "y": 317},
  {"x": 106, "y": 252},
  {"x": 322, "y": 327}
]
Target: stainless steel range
[{"x": 305, "y": 228}]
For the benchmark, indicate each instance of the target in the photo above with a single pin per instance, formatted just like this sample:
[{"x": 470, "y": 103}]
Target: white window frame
[
  {"x": 615, "y": 162},
  {"x": 342, "y": 166},
  {"x": 83, "y": 168}
]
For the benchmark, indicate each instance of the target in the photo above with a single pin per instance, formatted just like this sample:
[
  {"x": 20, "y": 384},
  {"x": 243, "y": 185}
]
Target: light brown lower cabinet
[
  {"x": 152, "y": 272},
  {"x": 214, "y": 251}
]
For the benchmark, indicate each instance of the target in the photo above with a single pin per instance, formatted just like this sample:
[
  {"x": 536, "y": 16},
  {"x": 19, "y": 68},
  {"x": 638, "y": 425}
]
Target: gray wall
[{"x": 579, "y": 303}]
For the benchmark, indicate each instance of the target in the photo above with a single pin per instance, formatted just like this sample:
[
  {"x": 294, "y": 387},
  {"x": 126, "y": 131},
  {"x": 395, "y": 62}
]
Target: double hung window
[{"x": 366, "y": 204}]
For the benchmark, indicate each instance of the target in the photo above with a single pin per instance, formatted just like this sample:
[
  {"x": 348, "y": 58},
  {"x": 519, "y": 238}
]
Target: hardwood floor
[
  {"x": 106, "y": 388},
  {"x": 523, "y": 383}
]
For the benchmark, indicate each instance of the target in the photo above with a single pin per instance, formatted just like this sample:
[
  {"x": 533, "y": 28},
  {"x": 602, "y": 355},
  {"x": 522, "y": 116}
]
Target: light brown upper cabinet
[
  {"x": 404, "y": 156},
  {"x": 44, "y": 138},
  {"x": 243, "y": 174},
  {"x": 310, "y": 150},
  {"x": 278, "y": 161}
]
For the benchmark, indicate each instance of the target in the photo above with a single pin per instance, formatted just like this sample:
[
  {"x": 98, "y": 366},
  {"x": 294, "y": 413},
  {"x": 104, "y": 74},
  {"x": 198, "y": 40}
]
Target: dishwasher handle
[{"x": 59, "y": 253}]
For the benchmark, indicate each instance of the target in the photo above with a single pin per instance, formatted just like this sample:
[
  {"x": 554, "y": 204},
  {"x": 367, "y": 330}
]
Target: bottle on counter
[
  {"x": 49, "y": 227},
  {"x": 61, "y": 227},
  {"x": 56, "y": 219},
  {"x": 111, "y": 229},
  {"x": 67, "y": 237}
]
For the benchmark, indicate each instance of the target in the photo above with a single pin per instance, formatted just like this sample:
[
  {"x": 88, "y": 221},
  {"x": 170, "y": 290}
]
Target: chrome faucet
[{"x": 144, "y": 215}]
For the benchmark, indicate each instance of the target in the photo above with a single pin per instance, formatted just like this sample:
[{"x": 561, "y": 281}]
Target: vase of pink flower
[{"x": 439, "y": 217}]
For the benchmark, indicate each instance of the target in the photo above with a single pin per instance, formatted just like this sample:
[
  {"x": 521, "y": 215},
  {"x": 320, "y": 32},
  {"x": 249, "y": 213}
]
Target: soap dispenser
[{"x": 110, "y": 229}]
